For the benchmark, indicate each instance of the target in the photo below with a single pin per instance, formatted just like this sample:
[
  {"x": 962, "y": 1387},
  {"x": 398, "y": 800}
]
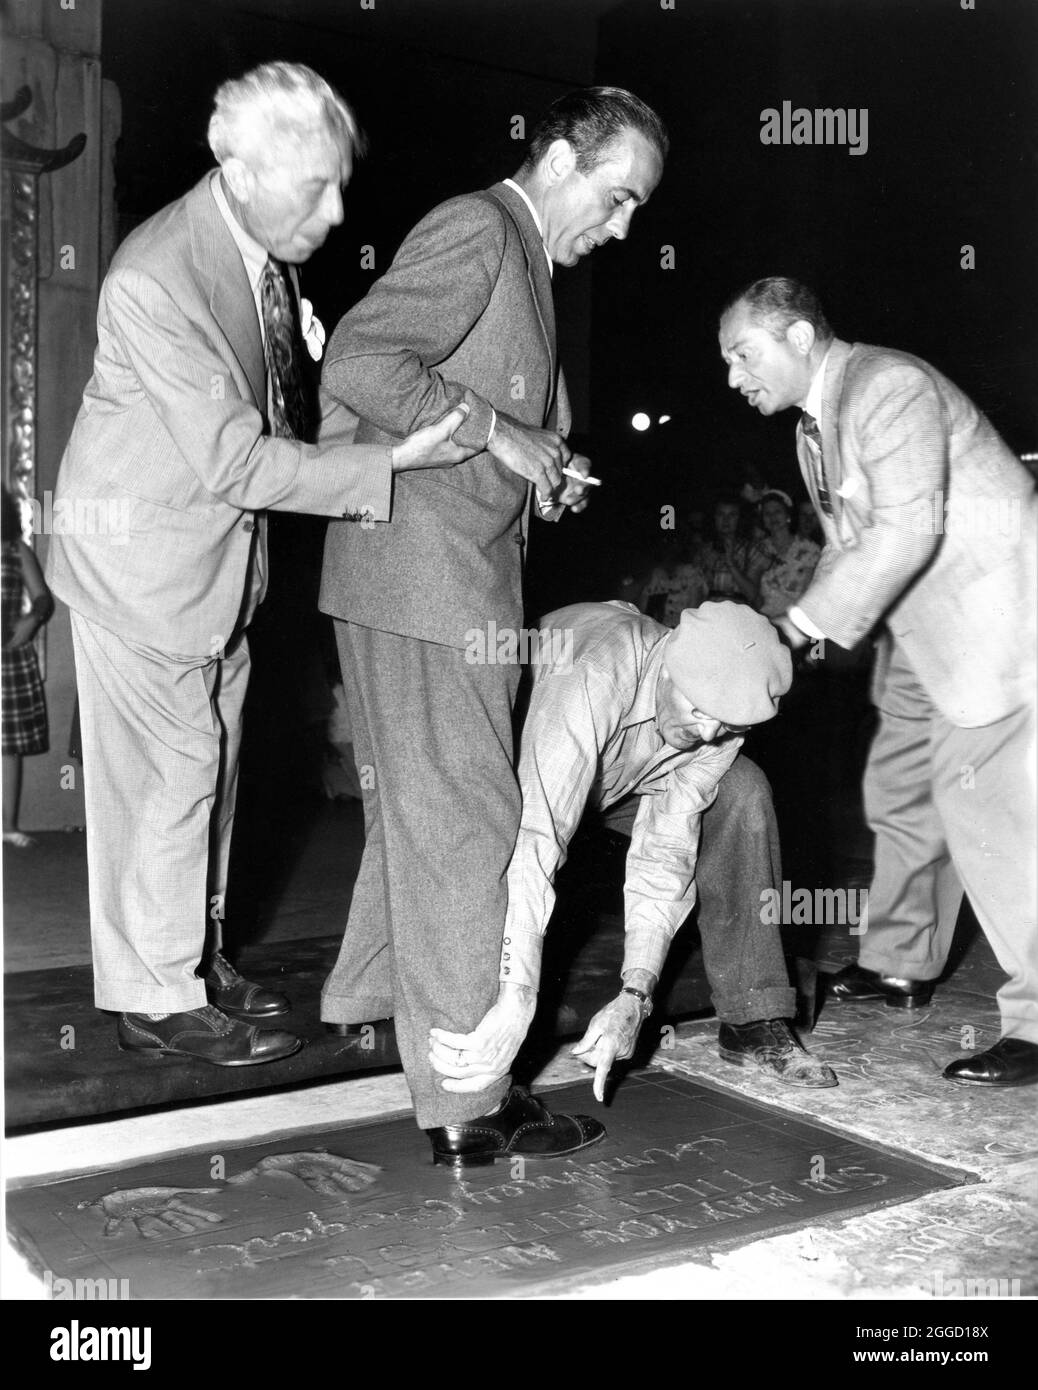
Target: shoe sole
[
  {"x": 483, "y": 1160},
  {"x": 243, "y": 1016},
  {"x": 159, "y": 1054},
  {"x": 1003, "y": 1085},
  {"x": 740, "y": 1059},
  {"x": 907, "y": 1002}
]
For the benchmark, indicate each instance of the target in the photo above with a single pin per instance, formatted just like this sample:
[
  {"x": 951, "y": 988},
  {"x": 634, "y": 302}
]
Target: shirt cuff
[
  {"x": 797, "y": 615},
  {"x": 644, "y": 950},
  {"x": 521, "y": 958}
]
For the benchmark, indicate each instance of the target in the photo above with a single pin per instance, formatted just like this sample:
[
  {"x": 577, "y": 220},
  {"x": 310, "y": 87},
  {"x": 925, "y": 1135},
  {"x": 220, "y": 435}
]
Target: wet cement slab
[
  {"x": 685, "y": 1172},
  {"x": 889, "y": 1064}
]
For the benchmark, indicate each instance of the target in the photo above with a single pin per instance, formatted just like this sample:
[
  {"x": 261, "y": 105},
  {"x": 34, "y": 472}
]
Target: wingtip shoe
[
  {"x": 206, "y": 1035},
  {"x": 234, "y": 995},
  {"x": 523, "y": 1126}
]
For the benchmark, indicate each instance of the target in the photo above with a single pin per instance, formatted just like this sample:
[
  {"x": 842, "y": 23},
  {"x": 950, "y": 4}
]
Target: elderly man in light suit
[
  {"x": 464, "y": 315},
  {"x": 194, "y": 422},
  {"x": 931, "y": 528}
]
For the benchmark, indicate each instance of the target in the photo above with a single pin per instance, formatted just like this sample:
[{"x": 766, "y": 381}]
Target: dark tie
[
  {"x": 809, "y": 426},
  {"x": 291, "y": 412}
]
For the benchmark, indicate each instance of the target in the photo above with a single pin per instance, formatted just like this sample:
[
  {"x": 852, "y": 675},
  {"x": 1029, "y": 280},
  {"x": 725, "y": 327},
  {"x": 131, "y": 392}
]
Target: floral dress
[{"x": 787, "y": 577}]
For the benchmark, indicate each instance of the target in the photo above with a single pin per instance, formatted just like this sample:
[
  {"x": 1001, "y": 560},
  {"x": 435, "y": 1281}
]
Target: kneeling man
[{"x": 645, "y": 724}]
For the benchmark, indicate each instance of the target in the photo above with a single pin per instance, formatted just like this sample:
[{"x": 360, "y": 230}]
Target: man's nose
[
  {"x": 332, "y": 210},
  {"x": 620, "y": 222},
  {"x": 709, "y": 729},
  {"x": 735, "y": 374}
]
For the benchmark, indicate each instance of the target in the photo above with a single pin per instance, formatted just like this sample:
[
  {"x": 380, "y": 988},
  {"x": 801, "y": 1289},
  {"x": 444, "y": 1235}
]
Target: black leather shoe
[
  {"x": 522, "y": 1126},
  {"x": 773, "y": 1046},
  {"x": 1010, "y": 1062},
  {"x": 854, "y": 984},
  {"x": 208, "y": 1035},
  {"x": 237, "y": 996}
]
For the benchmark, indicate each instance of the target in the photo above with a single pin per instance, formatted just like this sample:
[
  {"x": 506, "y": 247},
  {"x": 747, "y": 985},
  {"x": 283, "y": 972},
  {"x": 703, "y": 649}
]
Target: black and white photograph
[{"x": 520, "y": 611}]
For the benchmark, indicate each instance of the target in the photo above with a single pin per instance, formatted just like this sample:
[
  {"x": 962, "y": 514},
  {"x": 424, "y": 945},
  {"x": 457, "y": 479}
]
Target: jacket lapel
[
  {"x": 536, "y": 265},
  {"x": 230, "y": 295}
]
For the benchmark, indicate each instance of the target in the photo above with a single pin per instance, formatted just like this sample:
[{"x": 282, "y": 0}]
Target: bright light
[
  {"x": 641, "y": 421},
  {"x": 663, "y": 419}
]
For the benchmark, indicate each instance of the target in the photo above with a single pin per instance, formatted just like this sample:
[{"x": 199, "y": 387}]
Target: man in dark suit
[
  {"x": 194, "y": 422},
  {"x": 464, "y": 315},
  {"x": 931, "y": 530}
]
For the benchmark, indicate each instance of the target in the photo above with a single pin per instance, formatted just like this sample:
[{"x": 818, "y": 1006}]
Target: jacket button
[
  {"x": 249, "y": 525},
  {"x": 518, "y": 538}
]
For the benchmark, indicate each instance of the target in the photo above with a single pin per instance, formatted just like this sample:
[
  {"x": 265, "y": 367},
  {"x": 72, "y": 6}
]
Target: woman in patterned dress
[
  {"x": 791, "y": 558},
  {"x": 24, "y": 708}
]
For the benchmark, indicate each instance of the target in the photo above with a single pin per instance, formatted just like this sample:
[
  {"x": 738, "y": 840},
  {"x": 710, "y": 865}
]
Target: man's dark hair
[
  {"x": 591, "y": 118},
  {"x": 778, "y": 301}
]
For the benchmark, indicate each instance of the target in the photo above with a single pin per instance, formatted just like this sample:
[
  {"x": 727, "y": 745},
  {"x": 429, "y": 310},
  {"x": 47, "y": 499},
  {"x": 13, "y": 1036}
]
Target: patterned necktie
[
  {"x": 811, "y": 432},
  {"x": 291, "y": 412}
]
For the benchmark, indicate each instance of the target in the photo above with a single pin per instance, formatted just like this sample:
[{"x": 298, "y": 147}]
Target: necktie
[
  {"x": 811, "y": 432},
  {"x": 291, "y": 412}
]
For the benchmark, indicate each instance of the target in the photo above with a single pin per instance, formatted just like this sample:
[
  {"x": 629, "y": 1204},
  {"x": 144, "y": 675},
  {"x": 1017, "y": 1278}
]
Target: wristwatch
[{"x": 644, "y": 999}]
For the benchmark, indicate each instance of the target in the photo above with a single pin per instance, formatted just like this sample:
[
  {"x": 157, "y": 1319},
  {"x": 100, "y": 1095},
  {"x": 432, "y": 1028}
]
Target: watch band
[{"x": 644, "y": 999}]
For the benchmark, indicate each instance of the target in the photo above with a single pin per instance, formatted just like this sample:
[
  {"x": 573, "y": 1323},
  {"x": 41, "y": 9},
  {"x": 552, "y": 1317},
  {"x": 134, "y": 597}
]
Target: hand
[
  {"x": 433, "y": 445},
  {"x": 611, "y": 1035},
  {"x": 537, "y": 455},
  {"x": 24, "y": 631},
  {"x": 154, "y": 1212},
  {"x": 576, "y": 495},
  {"x": 328, "y": 1175},
  {"x": 474, "y": 1061}
]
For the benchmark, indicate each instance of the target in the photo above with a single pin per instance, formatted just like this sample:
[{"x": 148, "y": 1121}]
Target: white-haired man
[{"x": 196, "y": 420}]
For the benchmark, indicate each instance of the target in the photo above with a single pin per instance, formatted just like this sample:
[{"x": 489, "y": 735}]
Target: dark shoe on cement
[
  {"x": 772, "y": 1046},
  {"x": 1010, "y": 1062},
  {"x": 856, "y": 985},
  {"x": 235, "y": 995},
  {"x": 207, "y": 1035},
  {"x": 522, "y": 1126}
]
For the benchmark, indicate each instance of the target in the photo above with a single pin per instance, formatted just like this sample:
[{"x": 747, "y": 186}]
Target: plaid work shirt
[{"x": 590, "y": 737}]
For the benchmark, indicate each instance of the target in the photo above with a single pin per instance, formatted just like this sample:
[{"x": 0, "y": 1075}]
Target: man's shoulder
[
  {"x": 164, "y": 239},
  {"x": 466, "y": 214},
  {"x": 868, "y": 364},
  {"x": 596, "y": 630}
]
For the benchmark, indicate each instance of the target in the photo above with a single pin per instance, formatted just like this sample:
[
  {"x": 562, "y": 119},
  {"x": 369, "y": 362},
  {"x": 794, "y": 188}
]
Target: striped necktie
[
  {"x": 811, "y": 432},
  {"x": 291, "y": 412}
]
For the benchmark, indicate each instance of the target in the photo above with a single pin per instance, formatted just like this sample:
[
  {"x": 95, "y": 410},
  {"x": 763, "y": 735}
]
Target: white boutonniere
[{"x": 313, "y": 330}]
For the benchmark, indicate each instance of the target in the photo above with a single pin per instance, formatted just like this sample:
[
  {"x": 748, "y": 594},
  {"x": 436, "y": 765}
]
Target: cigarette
[{"x": 582, "y": 478}]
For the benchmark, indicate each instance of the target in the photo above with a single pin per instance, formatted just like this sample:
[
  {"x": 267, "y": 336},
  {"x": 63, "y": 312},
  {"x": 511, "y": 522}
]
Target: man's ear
[
  {"x": 560, "y": 159},
  {"x": 801, "y": 337},
  {"x": 239, "y": 179}
]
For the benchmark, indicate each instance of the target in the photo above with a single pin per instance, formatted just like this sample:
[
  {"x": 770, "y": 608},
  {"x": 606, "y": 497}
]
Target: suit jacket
[
  {"x": 169, "y": 446},
  {"x": 464, "y": 313},
  {"x": 934, "y": 530}
]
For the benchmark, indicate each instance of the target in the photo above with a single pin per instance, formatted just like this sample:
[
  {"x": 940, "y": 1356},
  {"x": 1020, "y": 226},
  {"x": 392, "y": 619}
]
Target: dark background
[{"x": 950, "y": 161}]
